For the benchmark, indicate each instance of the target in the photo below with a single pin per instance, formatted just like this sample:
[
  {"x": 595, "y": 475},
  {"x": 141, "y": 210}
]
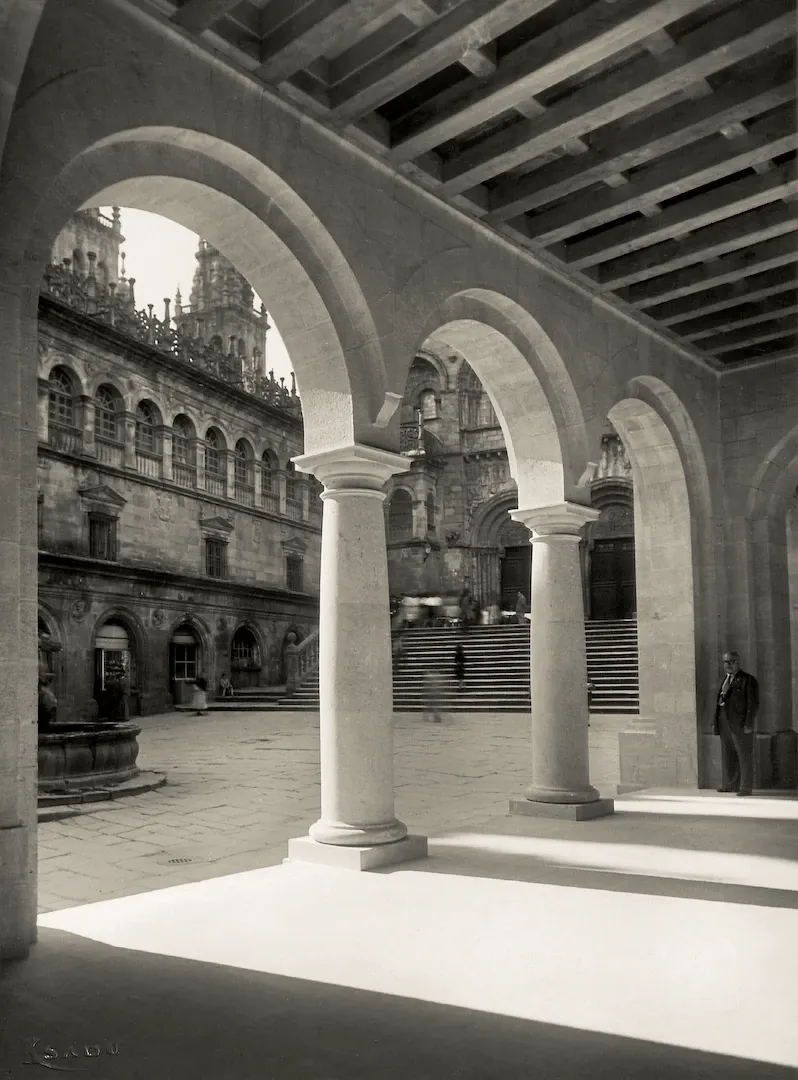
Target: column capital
[
  {"x": 564, "y": 519},
  {"x": 354, "y": 466}
]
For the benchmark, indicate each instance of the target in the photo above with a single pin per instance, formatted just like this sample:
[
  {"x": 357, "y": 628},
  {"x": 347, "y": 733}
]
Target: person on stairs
[
  {"x": 735, "y": 714},
  {"x": 460, "y": 665}
]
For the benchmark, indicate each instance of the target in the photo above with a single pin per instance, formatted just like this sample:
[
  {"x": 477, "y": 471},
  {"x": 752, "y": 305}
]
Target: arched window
[
  {"x": 476, "y": 410},
  {"x": 184, "y": 470},
  {"x": 213, "y": 453},
  {"x": 145, "y": 428},
  {"x": 293, "y": 493},
  {"x": 60, "y": 399},
  {"x": 242, "y": 463},
  {"x": 106, "y": 414},
  {"x": 430, "y": 507},
  {"x": 269, "y": 483},
  {"x": 400, "y": 515},
  {"x": 244, "y": 652},
  {"x": 428, "y": 405}
]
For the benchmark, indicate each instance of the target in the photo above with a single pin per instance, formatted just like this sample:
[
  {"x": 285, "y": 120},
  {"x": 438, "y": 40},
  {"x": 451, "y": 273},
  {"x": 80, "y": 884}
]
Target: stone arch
[
  {"x": 528, "y": 385},
  {"x": 772, "y": 536},
  {"x": 677, "y": 633},
  {"x": 241, "y": 206},
  {"x": 135, "y": 628},
  {"x": 252, "y": 677},
  {"x": 207, "y": 662}
]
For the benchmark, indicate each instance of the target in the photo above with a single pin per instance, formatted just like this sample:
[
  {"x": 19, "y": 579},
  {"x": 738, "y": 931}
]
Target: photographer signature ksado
[{"x": 72, "y": 1059}]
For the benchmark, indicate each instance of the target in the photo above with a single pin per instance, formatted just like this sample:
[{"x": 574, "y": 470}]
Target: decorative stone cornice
[
  {"x": 102, "y": 497},
  {"x": 564, "y": 519},
  {"x": 352, "y": 467}
]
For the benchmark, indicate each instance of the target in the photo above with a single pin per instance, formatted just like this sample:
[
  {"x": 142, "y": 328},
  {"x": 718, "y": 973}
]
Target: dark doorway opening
[
  {"x": 516, "y": 571},
  {"x": 612, "y": 579}
]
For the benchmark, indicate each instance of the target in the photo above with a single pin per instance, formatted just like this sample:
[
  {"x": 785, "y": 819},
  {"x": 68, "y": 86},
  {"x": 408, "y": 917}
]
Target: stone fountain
[{"x": 76, "y": 758}]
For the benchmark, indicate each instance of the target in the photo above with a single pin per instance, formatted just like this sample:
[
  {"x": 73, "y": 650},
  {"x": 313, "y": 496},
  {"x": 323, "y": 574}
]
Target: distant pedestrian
[
  {"x": 460, "y": 666},
  {"x": 521, "y": 609},
  {"x": 199, "y": 701},
  {"x": 226, "y": 687},
  {"x": 433, "y": 695}
]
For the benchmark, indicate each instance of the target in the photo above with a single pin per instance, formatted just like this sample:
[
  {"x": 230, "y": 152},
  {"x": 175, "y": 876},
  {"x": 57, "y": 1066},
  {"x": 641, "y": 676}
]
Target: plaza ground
[{"x": 659, "y": 942}]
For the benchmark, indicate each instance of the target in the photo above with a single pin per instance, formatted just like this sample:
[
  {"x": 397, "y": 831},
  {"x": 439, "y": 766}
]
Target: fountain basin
[{"x": 77, "y": 756}]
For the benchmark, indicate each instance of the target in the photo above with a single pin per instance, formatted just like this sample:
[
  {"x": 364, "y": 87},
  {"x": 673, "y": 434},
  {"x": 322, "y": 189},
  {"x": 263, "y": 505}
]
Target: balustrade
[
  {"x": 110, "y": 452},
  {"x": 66, "y": 439},
  {"x": 245, "y": 493},
  {"x": 184, "y": 475},
  {"x": 216, "y": 485},
  {"x": 148, "y": 464}
]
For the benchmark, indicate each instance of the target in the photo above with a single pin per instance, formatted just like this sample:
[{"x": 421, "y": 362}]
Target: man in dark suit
[{"x": 735, "y": 714}]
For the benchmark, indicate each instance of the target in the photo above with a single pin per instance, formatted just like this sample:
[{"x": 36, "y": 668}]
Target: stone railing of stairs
[
  {"x": 497, "y": 670},
  {"x": 302, "y": 663}
]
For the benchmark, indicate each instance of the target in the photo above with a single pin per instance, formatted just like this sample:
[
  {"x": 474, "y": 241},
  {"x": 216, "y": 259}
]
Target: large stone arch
[
  {"x": 677, "y": 615},
  {"x": 242, "y": 207},
  {"x": 529, "y": 386},
  {"x": 772, "y": 526}
]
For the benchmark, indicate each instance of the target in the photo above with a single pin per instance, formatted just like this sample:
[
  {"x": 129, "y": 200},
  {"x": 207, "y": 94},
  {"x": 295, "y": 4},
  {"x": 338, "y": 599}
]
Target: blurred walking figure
[
  {"x": 200, "y": 699},
  {"x": 433, "y": 695},
  {"x": 460, "y": 666},
  {"x": 520, "y": 609}
]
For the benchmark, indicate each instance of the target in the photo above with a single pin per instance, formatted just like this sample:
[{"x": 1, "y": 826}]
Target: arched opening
[
  {"x": 108, "y": 425},
  {"x": 665, "y": 584},
  {"x": 215, "y": 463},
  {"x": 244, "y": 464},
  {"x": 149, "y": 451},
  {"x": 186, "y": 662},
  {"x": 63, "y": 430},
  {"x": 270, "y": 481},
  {"x": 609, "y": 547},
  {"x": 246, "y": 660},
  {"x": 115, "y": 669},
  {"x": 184, "y": 452}
]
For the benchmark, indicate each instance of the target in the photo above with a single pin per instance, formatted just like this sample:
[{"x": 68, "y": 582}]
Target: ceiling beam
[
  {"x": 312, "y": 31},
  {"x": 559, "y": 54},
  {"x": 615, "y": 150},
  {"x": 712, "y": 159},
  {"x": 774, "y": 355},
  {"x": 782, "y": 251},
  {"x": 710, "y": 242},
  {"x": 480, "y": 62},
  {"x": 773, "y": 331},
  {"x": 717, "y": 45},
  {"x": 699, "y": 329},
  {"x": 470, "y": 25},
  {"x": 725, "y": 297},
  {"x": 198, "y": 15}
]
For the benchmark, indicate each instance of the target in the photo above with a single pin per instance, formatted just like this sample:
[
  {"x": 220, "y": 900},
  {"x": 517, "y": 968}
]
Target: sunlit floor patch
[{"x": 659, "y": 968}]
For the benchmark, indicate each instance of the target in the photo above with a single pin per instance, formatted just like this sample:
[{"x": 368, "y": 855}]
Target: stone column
[
  {"x": 558, "y": 669},
  {"x": 358, "y": 827},
  {"x": 129, "y": 437},
  {"x": 164, "y": 436}
]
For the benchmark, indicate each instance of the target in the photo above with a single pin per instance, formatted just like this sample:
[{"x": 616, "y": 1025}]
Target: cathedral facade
[
  {"x": 448, "y": 520},
  {"x": 176, "y": 537}
]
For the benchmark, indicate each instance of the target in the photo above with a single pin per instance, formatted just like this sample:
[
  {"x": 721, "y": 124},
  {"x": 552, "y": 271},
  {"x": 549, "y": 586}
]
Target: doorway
[
  {"x": 245, "y": 662},
  {"x": 612, "y": 579},
  {"x": 112, "y": 659},
  {"x": 516, "y": 574},
  {"x": 184, "y": 664}
]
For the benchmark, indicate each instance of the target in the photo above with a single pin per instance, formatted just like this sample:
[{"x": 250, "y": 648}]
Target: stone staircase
[{"x": 497, "y": 672}]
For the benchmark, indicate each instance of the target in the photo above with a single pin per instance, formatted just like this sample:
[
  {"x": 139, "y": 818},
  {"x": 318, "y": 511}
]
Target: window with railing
[
  {"x": 184, "y": 466},
  {"x": 215, "y": 557},
  {"x": 293, "y": 493},
  {"x": 62, "y": 431},
  {"x": 102, "y": 537},
  {"x": 244, "y": 482},
  {"x": 107, "y": 422},
  {"x": 294, "y": 573},
  {"x": 148, "y": 451},
  {"x": 270, "y": 482},
  {"x": 215, "y": 466}
]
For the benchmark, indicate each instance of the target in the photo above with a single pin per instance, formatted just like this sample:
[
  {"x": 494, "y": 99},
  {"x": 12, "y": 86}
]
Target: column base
[
  {"x": 339, "y": 834},
  {"x": 584, "y": 811},
  {"x": 539, "y": 793},
  {"x": 349, "y": 857}
]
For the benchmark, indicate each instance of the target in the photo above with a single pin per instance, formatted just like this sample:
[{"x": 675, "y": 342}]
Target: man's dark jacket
[{"x": 742, "y": 701}]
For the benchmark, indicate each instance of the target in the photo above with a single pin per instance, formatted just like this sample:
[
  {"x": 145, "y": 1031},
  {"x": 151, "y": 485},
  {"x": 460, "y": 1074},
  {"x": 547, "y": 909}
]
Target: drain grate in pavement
[{"x": 179, "y": 860}]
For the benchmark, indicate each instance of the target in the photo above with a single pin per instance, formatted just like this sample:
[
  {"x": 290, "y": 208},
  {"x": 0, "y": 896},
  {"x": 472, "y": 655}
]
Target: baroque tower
[
  {"x": 91, "y": 237},
  {"x": 222, "y": 310}
]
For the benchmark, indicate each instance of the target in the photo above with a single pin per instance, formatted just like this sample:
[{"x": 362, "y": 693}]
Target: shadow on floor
[
  {"x": 184, "y": 1019},
  {"x": 741, "y": 862}
]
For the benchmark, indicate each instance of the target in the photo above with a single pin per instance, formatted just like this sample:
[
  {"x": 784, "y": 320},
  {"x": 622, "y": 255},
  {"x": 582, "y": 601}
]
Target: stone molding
[
  {"x": 563, "y": 519},
  {"x": 354, "y": 467}
]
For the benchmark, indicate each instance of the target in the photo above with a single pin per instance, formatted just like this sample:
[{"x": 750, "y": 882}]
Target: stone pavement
[{"x": 241, "y": 785}]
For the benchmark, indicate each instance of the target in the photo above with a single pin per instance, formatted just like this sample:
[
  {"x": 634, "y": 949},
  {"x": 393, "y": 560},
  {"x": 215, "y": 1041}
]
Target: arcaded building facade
[
  {"x": 174, "y": 533},
  {"x": 574, "y": 203}
]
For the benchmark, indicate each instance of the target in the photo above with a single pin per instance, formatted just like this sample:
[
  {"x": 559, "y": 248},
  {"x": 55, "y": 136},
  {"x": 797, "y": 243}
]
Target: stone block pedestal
[
  {"x": 373, "y": 857},
  {"x": 563, "y": 811}
]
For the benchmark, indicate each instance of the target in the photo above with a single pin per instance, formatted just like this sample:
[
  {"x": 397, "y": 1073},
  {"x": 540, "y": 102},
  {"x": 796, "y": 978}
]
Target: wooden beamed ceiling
[{"x": 646, "y": 147}]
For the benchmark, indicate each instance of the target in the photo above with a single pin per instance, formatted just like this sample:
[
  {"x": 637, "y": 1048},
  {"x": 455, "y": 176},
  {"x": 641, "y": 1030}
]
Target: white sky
[{"x": 159, "y": 254}]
